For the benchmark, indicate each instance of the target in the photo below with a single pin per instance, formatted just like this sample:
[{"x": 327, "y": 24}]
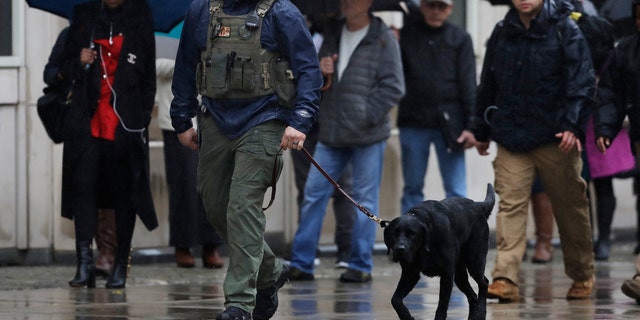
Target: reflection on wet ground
[{"x": 162, "y": 291}]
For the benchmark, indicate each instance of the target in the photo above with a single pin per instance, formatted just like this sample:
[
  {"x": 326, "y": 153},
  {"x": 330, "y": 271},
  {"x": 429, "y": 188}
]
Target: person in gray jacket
[{"x": 362, "y": 58}]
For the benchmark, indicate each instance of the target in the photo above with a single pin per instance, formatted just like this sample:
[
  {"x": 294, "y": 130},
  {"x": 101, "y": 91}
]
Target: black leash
[{"x": 382, "y": 223}]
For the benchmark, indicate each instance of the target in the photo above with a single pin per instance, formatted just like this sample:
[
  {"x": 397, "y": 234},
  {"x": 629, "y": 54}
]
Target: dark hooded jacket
[
  {"x": 440, "y": 75},
  {"x": 535, "y": 82},
  {"x": 134, "y": 85},
  {"x": 624, "y": 75}
]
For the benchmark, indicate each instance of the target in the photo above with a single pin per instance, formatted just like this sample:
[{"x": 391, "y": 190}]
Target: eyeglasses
[{"x": 436, "y": 5}]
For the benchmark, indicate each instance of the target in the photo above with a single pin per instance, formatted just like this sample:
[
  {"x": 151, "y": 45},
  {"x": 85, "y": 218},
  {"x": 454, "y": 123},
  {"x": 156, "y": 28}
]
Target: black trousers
[{"x": 188, "y": 225}]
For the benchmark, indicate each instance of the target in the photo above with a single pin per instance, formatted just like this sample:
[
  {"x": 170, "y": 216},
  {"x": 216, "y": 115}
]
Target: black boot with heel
[
  {"x": 605, "y": 205},
  {"x": 85, "y": 269},
  {"x": 118, "y": 277}
]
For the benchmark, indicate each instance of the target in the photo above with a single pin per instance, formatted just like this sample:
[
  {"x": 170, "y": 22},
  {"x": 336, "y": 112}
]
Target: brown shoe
[
  {"x": 631, "y": 288},
  {"x": 184, "y": 259},
  {"x": 211, "y": 258},
  {"x": 581, "y": 289},
  {"x": 504, "y": 290}
]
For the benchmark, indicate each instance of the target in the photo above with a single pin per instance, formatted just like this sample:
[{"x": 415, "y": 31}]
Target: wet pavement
[{"x": 163, "y": 291}]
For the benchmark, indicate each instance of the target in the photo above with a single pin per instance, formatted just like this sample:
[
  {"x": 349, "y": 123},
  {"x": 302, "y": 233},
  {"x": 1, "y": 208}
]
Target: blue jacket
[
  {"x": 284, "y": 30},
  {"x": 540, "y": 79}
]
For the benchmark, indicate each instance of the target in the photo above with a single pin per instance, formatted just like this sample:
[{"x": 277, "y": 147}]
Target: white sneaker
[
  {"x": 316, "y": 262},
  {"x": 342, "y": 265}
]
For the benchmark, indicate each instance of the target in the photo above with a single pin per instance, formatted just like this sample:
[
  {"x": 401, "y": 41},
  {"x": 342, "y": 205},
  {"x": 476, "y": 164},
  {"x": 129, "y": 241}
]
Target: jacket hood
[{"x": 552, "y": 12}]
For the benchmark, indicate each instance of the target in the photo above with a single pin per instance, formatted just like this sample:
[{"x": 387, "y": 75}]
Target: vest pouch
[
  {"x": 284, "y": 83},
  {"x": 248, "y": 75},
  {"x": 242, "y": 75},
  {"x": 215, "y": 75}
]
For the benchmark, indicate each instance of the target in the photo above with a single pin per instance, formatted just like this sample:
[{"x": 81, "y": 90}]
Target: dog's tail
[{"x": 489, "y": 200}]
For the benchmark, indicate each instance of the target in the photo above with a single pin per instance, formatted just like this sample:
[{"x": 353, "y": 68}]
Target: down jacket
[
  {"x": 355, "y": 110},
  {"x": 535, "y": 82}
]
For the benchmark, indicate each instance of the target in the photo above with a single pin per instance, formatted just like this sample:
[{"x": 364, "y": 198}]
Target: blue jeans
[
  {"x": 366, "y": 163},
  {"x": 415, "y": 143}
]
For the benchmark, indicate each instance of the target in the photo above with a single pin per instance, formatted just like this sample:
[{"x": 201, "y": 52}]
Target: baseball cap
[{"x": 449, "y": 2}]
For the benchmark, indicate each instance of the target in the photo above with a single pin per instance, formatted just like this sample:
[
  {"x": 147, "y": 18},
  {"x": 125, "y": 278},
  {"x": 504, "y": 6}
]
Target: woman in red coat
[{"x": 110, "y": 57}]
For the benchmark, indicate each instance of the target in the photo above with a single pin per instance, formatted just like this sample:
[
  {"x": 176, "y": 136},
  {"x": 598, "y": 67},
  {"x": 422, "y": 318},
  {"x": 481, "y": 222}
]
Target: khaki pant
[
  {"x": 560, "y": 176},
  {"x": 233, "y": 177}
]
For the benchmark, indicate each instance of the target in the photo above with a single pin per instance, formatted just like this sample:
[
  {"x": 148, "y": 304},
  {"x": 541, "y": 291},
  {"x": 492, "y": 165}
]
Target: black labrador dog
[{"x": 445, "y": 238}]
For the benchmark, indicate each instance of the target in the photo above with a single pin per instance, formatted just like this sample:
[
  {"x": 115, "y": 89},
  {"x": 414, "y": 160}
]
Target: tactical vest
[{"x": 234, "y": 64}]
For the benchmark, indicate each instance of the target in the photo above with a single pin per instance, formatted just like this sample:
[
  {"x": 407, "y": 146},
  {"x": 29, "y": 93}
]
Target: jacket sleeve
[
  {"x": 52, "y": 68},
  {"x": 389, "y": 88},
  {"x": 148, "y": 81},
  {"x": 607, "y": 111},
  {"x": 488, "y": 87},
  {"x": 467, "y": 81},
  {"x": 185, "y": 103},
  {"x": 610, "y": 108},
  {"x": 579, "y": 78},
  {"x": 299, "y": 49}
]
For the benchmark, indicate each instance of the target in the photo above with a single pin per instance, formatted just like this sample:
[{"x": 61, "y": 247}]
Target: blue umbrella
[{"x": 166, "y": 13}]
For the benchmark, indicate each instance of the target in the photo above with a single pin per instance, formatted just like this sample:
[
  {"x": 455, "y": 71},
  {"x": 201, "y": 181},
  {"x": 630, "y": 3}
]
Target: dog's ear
[
  {"x": 389, "y": 239},
  {"x": 426, "y": 241}
]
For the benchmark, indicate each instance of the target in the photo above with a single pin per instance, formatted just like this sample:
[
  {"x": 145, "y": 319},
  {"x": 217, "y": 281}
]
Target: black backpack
[{"x": 600, "y": 37}]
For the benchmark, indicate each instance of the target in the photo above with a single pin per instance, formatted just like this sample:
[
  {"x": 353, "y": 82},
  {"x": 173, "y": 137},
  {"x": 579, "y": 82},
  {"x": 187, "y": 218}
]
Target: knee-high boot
[
  {"x": 543, "y": 218},
  {"x": 605, "y": 206},
  {"x": 106, "y": 241},
  {"x": 85, "y": 270},
  {"x": 125, "y": 222}
]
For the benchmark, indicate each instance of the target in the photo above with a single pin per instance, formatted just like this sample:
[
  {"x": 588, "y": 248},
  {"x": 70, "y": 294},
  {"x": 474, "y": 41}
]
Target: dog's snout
[{"x": 400, "y": 248}]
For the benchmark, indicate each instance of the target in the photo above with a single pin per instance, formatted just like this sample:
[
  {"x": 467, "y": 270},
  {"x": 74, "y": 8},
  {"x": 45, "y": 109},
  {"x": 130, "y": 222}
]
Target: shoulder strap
[
  {"x": 263, "y": 7},
  {"x": 214, "y": 6}
]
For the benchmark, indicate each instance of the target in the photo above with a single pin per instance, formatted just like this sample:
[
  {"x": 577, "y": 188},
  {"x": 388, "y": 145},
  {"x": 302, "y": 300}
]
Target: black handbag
[
  {"x": 52, "y": 109},
  {"x": 451, "y": 128}
]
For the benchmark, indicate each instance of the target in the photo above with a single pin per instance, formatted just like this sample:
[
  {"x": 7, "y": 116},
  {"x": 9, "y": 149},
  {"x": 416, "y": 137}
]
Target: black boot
[
  {"x": 118, "y": 277},
  {"x": 637, "y": 248},
  {"x": 605, "y": 205},
  {"x": 85, "y": 270}
]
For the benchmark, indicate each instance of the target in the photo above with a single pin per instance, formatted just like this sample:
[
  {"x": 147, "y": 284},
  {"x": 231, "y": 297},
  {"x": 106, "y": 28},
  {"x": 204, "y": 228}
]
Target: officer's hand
[
  {"x": 293, "y": 139},
  {"x": 189, "y": 139}
]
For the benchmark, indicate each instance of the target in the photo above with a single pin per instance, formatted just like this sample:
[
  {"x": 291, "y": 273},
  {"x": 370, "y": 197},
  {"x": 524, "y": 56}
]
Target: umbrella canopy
[
  {"x": 332, "y": 7},
  {"x": 166, "y": 13},
  {"x": 619, "y": 13}
]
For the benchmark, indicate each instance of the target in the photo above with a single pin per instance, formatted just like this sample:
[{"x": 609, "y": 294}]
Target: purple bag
[{"x": 617, "y": 159}]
